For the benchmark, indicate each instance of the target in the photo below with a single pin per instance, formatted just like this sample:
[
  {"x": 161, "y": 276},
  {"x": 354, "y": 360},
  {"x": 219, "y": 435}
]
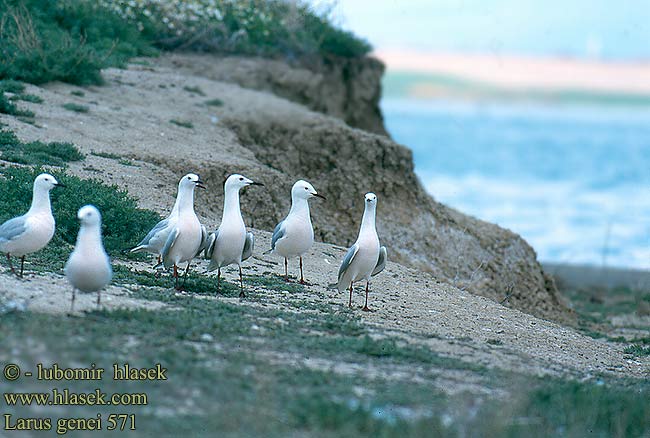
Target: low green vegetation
[
  {"x": 214, "y": 102},
  {"x": 637, "y": 350},
  {"x": 123, "y": 222},
  {"x": 194, "y": 90},
  {"x": 71, "y": 41},
  {"x": 7, "y": 105},
  {"x": 596, "y": 308},
  {"x": 78, "y": 93},
  {"x": 258, "y": 27},
  {"x": 77, "y": 108},
  {"x": 108, "y": 155},
  {"x": 182, "y": 123},
  {"x": 36, "y": 152},
  {"x": 255, "y": 369}
]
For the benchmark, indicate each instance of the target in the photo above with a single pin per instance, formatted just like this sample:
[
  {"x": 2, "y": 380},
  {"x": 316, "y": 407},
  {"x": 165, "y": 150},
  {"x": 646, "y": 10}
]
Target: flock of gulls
[{"x": 180, "y": 238}]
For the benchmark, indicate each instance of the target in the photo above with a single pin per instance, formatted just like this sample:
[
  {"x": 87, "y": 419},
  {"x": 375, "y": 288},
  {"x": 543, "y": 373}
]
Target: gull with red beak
[
  {"x": 231, "y": 244},
  {"x": 294, "y": 235}
]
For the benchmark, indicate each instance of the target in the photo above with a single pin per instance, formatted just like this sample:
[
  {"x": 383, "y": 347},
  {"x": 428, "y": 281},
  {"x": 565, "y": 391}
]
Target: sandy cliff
[{"x": 275, "y": 140}]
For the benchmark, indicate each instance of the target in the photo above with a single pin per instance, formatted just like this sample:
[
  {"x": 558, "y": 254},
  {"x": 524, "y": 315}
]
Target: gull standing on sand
[
  {"x": 88, "y": 269},
  {"x": 155, "y": 240},
  {"x": 185, "y": 237},
  {"x": 365, "y": 258},
  {"x": 32, "y": 231},
  {"x": 231, "y": 244},
  {"x": 295, "y": 235}
]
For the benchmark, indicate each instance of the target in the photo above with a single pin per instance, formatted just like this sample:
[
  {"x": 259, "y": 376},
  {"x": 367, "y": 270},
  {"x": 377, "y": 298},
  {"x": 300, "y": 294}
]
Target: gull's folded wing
[{"x": 381, "y": 263}]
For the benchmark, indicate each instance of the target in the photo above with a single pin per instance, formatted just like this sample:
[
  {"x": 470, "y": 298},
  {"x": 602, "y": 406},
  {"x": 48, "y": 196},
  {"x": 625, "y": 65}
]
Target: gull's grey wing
[
  {"x": 249, "y": 244},
  {"x": 147, "y": 239},
  {"x": 278, "y": 234},
  {"x": 347, "y": 261},
  {"x": 168, "y": 245},
  {"x": 12, "y": 229},
  {"x": 210, "y": 242},
  {"x": 381, "y": 263},
  {"x": 204, "y": 241}
]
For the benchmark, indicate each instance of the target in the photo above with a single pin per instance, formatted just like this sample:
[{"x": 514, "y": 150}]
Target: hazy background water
[{"x": 572, "y": 180}]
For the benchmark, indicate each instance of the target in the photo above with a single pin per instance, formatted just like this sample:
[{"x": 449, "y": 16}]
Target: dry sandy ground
[
  {"x": 406, "y": 303},
  {"x": 522, "y": 73}
]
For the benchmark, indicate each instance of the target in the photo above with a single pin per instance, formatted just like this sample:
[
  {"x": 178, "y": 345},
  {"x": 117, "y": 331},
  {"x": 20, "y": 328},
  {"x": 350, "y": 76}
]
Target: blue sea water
[{"x": 573, "y": 180}]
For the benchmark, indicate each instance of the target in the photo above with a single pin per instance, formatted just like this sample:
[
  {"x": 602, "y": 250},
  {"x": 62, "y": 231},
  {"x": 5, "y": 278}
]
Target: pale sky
[{"x": 582, "y": 28}]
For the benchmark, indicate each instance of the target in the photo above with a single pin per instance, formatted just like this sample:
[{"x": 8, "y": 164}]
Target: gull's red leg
[
  {"x": 11, "y": 266},
  {"x": 350, "y": 302},
  {"x": 286, "y": 270},
  {"x": 241, "y": 284},
  {"x": 365, "y": 306},
  {"x": 302, "y": 278}
]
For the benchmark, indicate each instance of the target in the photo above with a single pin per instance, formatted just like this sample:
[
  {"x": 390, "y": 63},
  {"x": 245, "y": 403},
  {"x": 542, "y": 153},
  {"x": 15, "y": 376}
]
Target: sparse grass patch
[
  {"x": 274, "y": 282},
  {"x": 214, "y": 102},
  {"x": 637, "y": 350},
  {"x": 196, "y": 284},
  {"x": 108, "y": 155},
  {"x": 182, "y": 123},
  {"x": 6, "y": 103},
  {"x": 36, "y": 152},
  {"x": 77, "y": 108},
  {"x": 194, "y": 90},
  {"x": 32, "y": 98},
  {"x": 127, "y": 162},
  {"x": 495, "y": 341},
  {"x": 8, "y": 107},
  {"x": 78, "y": 93}
]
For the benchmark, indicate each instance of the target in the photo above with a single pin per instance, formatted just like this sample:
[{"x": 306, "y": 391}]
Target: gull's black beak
[
  {"x": 59, "y": 185},
  {"x": 320, "y": 196},
  {"x": 200, "y": 185},
  {"x": 256, "y": 184}
]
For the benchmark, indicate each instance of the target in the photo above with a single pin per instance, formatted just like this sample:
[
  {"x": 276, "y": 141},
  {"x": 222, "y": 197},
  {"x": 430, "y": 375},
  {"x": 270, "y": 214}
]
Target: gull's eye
[
  {"x": 241, "y": 179},
  {"x": 189, "y": 177},
  {"x": 306, "y": 188}
]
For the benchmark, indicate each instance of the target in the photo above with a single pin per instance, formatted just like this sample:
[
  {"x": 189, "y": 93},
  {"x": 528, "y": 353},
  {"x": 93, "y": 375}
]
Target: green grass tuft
[
  {"x": 637, "y": 350},
  {"x": 36, "y": 152},
  {"x": 109, "y": 155},
  {"x": 70, "y": 106},
  {"x": 78, "y": 93},
  {"x": 182, "y": 123},
  {"x": 214, "y": 102},
  {"x": 194, "y": 90}
]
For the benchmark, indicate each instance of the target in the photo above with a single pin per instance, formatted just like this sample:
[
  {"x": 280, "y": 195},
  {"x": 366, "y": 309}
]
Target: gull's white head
[
  {"x": 237, "y": 181},
  {"x": 88, "y": 215},
  {"x": 190, "y": 181},
  {"x": 46, "y": 182},
  {"x": 371, "y": 199},
  {"x": 303, "y": 190}
]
